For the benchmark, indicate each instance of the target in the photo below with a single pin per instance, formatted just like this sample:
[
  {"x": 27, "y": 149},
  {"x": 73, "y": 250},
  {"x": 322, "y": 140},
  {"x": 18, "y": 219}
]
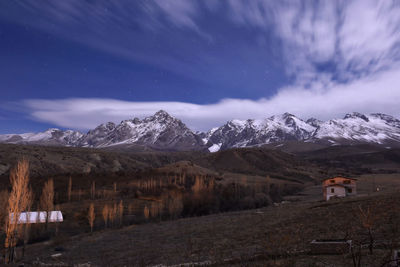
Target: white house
[{"x": 339, "y": 187}]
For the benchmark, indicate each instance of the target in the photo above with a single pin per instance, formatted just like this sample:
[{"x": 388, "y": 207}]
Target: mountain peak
[
  {"x": 356, "y": 115},
  {"x": 52, "y": 130},
  {"x": 282, "y": 116},
  {"x": 383, "y": 116},
  {"x": 287, "y": 114},
  {"x": 162, "y": 112},
  {"x": 161, "y": 116},
  {"x": 314, "y": 122}
]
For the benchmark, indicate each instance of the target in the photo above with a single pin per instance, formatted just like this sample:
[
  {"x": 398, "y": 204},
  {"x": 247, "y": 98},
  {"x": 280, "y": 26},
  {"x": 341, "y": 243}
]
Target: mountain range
[{"x": 164, "y": 132}]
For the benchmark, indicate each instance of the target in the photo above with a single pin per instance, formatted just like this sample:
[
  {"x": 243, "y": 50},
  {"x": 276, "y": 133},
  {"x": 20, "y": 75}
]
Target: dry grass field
[{"x": 272, "y": 236}]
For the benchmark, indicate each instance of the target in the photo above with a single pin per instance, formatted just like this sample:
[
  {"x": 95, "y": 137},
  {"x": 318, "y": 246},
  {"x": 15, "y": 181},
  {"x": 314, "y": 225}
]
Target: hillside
[
  {"x": 274, "y": 236},
  {"x": 49, "y": 161}
]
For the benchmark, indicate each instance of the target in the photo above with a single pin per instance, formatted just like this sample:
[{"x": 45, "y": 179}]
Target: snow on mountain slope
[
  {"x": 353, "y": 128},
  {"x": 52, "y": 136},
  {"x": 356, "y": 127},
  {"x": 160, "y": 131},
  {"x": 96, "y": 136},
  {"x": 244, "y": 133}
]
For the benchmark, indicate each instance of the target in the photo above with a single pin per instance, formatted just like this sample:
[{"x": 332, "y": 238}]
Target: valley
[{"x": 241, "y": 195}]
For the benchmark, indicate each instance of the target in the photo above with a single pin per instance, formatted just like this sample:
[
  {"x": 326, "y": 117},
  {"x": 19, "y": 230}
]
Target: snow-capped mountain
[
  {"x": 353, "y": 128},
  {"x": 356, "y": 127},
  {"x": 162, "y": 131},
  {"x": 52, "y": 136},
  {"x": 244, "y": 133}
]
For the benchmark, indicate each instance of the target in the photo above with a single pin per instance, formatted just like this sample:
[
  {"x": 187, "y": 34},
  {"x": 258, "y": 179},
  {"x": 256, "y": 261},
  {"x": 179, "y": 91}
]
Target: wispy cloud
[
  {"x": 323, "y": 102},
  {"x": 342, "y": 56},
  {"x": 132, "y": 30},
  {"x": 343, "y": 39},
  {"x": 356, "y": 38}
]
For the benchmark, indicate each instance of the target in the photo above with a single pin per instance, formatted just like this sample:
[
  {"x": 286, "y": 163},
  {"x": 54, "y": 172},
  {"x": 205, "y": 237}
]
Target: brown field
[{"x": 272, "y": 236}]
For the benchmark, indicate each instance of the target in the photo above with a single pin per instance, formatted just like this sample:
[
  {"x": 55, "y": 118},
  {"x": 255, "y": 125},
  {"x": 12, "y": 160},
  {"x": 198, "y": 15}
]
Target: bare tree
[
  {"x": 91, "y": 216},
  {"x": 154, "y": 209},
  {"x": 120, "y": 212},
  {"x": 93, "y": 190},
  {"x": 25, "y": 233},
  {"x": 112, "y": 214},
  {"x": 47, "y": 199},
  {"x": 146, "y": 212},
  {"x": 3, "y": 206},
  {"x": 105, "y": 213},
  {"x": 199, "y": 185},
  {"x": 175, "y": 204},
  {"x": 19, "y": 200},
  {"x": 69, "y": 193},
  {"x": 368, "y": 217}
]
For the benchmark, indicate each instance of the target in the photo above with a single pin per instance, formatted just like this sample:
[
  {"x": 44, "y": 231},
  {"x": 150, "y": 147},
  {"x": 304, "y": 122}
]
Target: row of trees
[
  {"x": 21, "y": 199},
  {"x": 240, "y": 194},
  {"x": 172, "y": 196}
]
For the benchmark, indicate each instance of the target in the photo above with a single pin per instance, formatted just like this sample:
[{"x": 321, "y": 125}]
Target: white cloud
[
  {"x": 179, "y": 12},
  {"x": 359, "y": 40},
  {"x": 358, "y": 37},
  {"x": 378, "y": 93}
]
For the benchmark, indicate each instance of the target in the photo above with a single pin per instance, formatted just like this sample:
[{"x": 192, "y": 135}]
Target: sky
[{"x": 75, "y": 64}]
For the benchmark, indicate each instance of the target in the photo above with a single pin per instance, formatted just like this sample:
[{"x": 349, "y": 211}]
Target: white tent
[{"x": 38, "y": 217}]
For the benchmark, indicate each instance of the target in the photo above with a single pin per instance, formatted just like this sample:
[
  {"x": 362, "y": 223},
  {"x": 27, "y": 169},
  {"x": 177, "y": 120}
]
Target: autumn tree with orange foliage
[
  {"x": 146, "y": 212},
  {"x": 91, "y": 216},
  {"x": 175, "y": 204},
  {"x": 120, "y": 212},
  {"x": 19, "y": 201},
  {"x": 105, "y": 212}
]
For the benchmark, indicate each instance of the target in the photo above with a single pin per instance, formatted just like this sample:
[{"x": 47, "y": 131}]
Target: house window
[
  {"x": 332, "y": 190},
  {"x": 346, "y": 181},
  {"x": 332, "y": 181},
  {"x": 349, "y": 190}
]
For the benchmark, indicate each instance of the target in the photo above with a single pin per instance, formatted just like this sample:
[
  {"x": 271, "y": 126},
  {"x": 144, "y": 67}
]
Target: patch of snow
[{"x": 215, "y": 148}]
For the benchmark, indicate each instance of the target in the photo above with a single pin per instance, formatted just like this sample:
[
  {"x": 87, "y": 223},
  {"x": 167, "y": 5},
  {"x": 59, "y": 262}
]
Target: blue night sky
[{"x": 75, "y": 63}]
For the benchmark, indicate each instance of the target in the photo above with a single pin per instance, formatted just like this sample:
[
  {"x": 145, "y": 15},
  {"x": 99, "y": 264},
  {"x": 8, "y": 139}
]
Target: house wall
[
  {"x": 350, "y": 185},
  {"x": 338, "y": 191}
]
